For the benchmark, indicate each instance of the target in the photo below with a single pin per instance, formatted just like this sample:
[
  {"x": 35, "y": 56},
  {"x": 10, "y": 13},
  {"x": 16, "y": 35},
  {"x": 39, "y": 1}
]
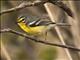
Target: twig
[
  {"x": 4, "y": 51},
  {"x": 63, "y": 6},
  {"x": 52, "y": 15},
  {"x": 21, "y": 6},
  {"x": 36, "y": 3},
  {"x": 39, "y": 41}
]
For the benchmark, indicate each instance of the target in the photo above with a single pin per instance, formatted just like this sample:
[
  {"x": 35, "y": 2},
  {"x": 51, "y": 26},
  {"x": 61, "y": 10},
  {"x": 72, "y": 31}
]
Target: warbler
[{"x": 35, "y": 27}]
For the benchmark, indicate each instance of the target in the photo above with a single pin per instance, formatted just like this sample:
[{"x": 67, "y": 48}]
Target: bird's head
[{"x": 21, "y": 19}]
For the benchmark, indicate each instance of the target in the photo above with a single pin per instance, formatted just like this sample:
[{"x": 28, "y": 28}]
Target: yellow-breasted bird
[
  {"x": 32, "y": 28},
  {"x": 37, "y": 26}
]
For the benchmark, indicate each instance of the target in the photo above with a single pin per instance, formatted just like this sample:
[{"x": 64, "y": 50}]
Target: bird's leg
[{"x": 45, "y": 35}]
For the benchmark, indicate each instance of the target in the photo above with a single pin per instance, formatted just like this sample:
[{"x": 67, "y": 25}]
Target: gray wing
[{"x": 39, "y": 23}]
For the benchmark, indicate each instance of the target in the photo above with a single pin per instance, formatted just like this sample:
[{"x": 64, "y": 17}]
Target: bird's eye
[{"x": 23, "y": 20}]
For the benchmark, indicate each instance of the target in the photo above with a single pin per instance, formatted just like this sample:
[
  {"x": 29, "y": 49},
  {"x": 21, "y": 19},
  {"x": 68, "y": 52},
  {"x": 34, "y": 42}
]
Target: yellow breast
[{"x": 32, "y": 30}]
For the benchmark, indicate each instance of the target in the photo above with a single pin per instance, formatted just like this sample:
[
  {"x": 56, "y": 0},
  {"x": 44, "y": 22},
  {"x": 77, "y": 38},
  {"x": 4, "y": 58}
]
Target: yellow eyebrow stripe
[{"x": 20, "y": 20}]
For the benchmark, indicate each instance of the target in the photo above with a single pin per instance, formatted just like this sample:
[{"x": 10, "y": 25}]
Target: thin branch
[
  {"x": 50, "y": 10},
  {"x": 36, "y": 3},
  {"x": 4, "y": 51},
  {"x": 21, "y": 6},
  {"x": 36, "y": 40},
  {"x": 63, "y": 6}
]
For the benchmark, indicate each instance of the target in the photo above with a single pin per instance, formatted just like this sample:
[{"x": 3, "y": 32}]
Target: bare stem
[
  {"x": 21, "y": 6},
  {"x": 36, "y": 40},
  {"x": 36, "y": 3},
  {"x": 51, "y": 9},
  {"x": 4, "y": 51}
]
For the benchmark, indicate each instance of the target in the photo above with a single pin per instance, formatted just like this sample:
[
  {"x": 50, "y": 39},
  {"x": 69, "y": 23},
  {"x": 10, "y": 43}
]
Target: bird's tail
[{"x": 59, "y": 24}]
